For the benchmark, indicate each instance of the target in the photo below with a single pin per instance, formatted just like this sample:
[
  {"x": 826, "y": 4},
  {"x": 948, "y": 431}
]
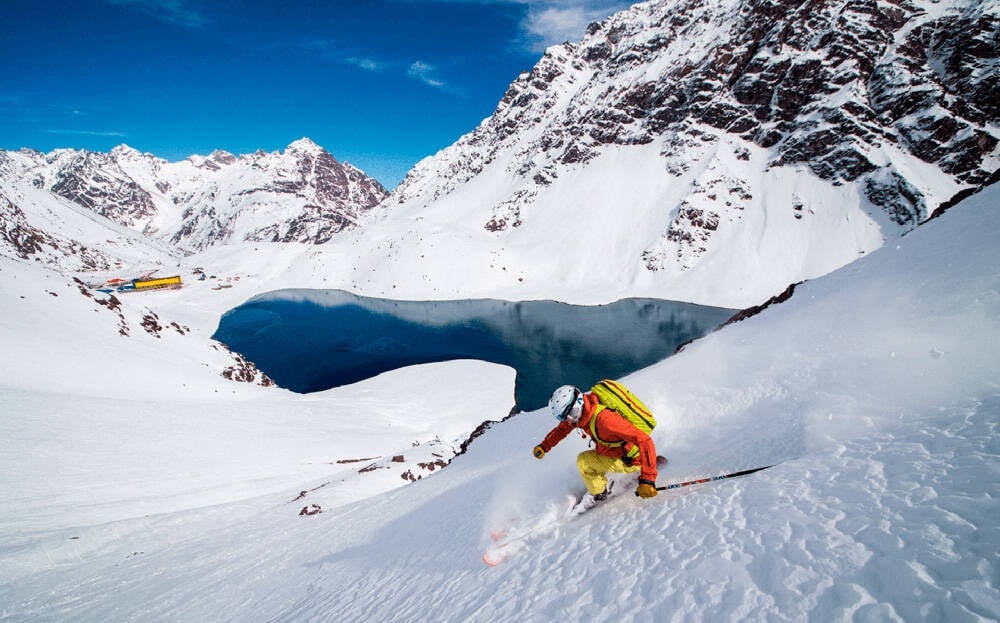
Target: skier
[{"x": 615, "y": 439}]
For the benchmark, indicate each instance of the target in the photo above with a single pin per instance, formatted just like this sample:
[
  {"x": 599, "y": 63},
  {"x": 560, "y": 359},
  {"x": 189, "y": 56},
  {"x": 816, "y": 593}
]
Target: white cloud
[
  {"x": 549, "y": 22},
  {"x": 337, "y": 54},
  {"x": 554, "y": 24},
  {"x": 423, "y": 72},
  {"x": 86, "y": 133},
  {"x": 171, "y": 11},
  {"x": 365, "y": 63}
]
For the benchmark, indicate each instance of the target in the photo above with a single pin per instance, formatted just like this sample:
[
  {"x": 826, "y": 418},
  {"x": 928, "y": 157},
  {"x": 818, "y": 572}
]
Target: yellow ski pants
[{"x": 595, "y": 467}]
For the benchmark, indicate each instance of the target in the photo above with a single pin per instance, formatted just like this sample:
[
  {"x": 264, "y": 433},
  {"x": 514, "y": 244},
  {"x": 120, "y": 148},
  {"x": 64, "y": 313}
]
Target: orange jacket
[{"x": 611, "y": 426}]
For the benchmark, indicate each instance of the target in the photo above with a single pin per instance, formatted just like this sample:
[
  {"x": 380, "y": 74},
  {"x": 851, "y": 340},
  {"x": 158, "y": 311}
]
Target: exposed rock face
[
  {"x": 302, "y": 194},
  {"x": 24, "y": 239},
  {"x": 96, "y": 181},
  {"x": 20, "y": 238},
  {"x": 335, "y": 194},
  {"x": 840, "y": 87}
]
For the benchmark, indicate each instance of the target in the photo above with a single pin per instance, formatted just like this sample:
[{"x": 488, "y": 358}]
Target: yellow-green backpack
[{"x": 613, "y": 395}]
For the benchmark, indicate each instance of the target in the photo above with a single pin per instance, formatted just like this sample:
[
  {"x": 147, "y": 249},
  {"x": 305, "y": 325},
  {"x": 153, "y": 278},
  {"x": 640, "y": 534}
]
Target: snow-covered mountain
[
  {"x": 301, "y": 194},
  {"x": 709, "y": 152},
  {"x": 712, "y": 151}
]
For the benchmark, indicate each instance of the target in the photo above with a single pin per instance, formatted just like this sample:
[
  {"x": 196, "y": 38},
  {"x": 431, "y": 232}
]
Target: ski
[
  {"x": 618, "y": 488},
  {"x": 504, "y": 543},
  {"x": 505, "y": 540}
]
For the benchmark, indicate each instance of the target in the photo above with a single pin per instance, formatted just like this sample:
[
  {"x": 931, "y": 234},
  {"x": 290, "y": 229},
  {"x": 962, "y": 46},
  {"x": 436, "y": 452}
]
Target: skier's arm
[{"x": 556, "y": 435}]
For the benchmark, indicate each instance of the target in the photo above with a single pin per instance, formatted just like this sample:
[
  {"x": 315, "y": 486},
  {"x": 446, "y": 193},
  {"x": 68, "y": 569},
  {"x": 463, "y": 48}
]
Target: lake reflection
[{"x": 312, "y": 340}]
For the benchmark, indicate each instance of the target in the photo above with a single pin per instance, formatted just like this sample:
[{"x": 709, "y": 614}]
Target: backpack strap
[
  {"x": 630, "y": 452},
  {"x": 599, "y": 409}
]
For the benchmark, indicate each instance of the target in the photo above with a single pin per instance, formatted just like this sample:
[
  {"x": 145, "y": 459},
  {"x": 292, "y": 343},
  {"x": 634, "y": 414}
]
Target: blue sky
[{"x": 379, "y": 83}]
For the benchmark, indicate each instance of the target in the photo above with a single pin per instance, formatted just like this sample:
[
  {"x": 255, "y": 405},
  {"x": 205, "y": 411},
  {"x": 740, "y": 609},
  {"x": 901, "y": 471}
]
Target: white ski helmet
[{"x": 566, "y": 403}]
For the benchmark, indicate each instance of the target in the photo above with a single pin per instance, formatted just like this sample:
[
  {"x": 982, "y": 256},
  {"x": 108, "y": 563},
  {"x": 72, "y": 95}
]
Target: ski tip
[{"x": 493, "y": 558}]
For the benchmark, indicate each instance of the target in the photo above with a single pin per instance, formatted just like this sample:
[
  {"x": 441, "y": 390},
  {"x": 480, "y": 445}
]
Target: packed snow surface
[{"x": 874, "y": 392}]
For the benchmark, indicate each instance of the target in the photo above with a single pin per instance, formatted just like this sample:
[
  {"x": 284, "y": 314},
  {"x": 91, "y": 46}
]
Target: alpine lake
[{"x": 313, "y": 340}]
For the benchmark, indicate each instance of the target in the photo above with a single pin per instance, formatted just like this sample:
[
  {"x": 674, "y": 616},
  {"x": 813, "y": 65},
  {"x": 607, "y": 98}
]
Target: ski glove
[
  {"x": 646, "y": 489},
  {"x": 539, "y": 452}
]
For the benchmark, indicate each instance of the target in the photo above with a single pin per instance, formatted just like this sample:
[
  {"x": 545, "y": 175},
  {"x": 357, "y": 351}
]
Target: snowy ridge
[
  {"x": 37, "y": 226},
  {"x": 874, "y": 388},
  {"x": 302, "y": 194},
  {"x": 677, "y": 136}
]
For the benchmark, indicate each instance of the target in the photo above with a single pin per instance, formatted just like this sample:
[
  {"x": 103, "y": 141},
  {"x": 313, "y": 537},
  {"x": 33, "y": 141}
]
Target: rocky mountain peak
[
  {"x": 222, "y": 157},
  {"x": 823, "y": 83},
  {"x": 302, "y": 194},
  {"x": 98, "y": 182},
  {"x": 891, "y": 104},
  {"x": 304, "y": 145},
  {"x": 124, "y": 151}
]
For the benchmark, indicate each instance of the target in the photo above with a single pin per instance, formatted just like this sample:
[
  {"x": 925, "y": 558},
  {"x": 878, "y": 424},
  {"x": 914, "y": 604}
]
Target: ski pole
[{"x": 678, "y": 485}]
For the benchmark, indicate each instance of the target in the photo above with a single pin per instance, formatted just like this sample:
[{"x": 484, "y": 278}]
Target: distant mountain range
[
  {"x": 704, "y": 151},
  {"x": 302, "y": 194}
]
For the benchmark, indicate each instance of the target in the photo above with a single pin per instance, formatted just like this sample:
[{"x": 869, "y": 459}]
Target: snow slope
[
  {"x": 587, "y": 232},
  {"x": 874, "y": 389}
]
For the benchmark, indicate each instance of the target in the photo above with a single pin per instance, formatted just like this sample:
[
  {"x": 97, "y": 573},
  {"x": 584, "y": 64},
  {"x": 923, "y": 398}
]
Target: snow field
[{"x": 85, "y": 465}]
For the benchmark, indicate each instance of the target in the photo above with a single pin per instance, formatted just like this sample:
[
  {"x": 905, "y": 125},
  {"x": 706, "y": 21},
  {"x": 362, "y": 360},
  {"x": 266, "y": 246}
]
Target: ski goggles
[{"x": 577, "y": 399}]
